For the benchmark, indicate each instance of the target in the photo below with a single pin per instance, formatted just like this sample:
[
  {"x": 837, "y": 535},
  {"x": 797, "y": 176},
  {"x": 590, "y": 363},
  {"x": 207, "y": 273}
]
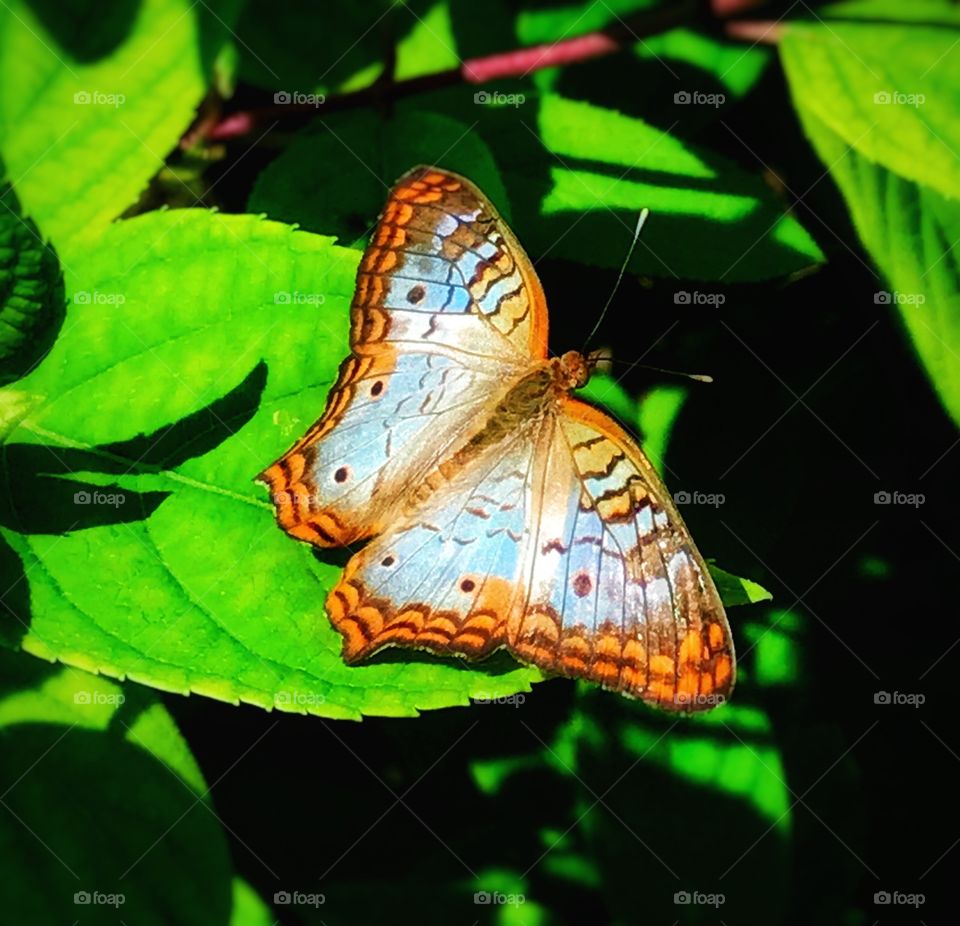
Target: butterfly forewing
[{"x": 447, "y": 313}]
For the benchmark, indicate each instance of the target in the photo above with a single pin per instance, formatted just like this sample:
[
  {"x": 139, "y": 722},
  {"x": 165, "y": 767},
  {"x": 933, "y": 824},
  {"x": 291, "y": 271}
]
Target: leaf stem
[{"x": 512, "y": 64}]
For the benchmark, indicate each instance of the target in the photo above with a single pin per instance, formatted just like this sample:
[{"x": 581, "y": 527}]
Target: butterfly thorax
[
  {"x": 524, "y": 406},
  {"x": 572, "y": 370},
  {"x": 533, "y": 397}
]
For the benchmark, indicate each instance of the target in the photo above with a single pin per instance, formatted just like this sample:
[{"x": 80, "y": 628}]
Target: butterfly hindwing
[
  {"x": 618, "y": 593},
  {"x": 564, "y": 547},
  {"x": 447, "y": 312},
  {"x": 446, "y": 576}
]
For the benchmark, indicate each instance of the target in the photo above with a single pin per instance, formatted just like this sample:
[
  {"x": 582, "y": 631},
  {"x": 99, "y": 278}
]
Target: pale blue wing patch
[
  {"x": 414, "y": 412},
  {"x": 470, "y": 531}
]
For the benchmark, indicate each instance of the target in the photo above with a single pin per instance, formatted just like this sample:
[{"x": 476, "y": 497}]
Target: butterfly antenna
[
  {"x": 697, "y": 377},
  {"x": 623, "y": 269}
]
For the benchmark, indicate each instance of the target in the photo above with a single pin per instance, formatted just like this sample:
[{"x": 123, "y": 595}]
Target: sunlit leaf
[
  {"x": 93, "y": 98},
  {"x": 884, "y": 94},
  {"x": 151, "y": 552},
  {"x": 577, "y": 177},
  {"x": 905, "y": 208}
]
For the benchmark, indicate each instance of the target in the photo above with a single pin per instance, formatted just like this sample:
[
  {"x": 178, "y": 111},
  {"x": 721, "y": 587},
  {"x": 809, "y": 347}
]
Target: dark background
[
  {"x": 849, "y": 413},
  {"x": 595, "y": 808}
]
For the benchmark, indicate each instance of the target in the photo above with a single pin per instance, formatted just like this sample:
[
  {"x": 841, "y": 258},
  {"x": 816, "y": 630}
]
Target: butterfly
[{"x": 503, "y": 511}]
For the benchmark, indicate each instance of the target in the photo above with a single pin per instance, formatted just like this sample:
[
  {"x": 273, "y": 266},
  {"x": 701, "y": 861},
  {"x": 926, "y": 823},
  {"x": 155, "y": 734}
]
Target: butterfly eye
[
  {"x": 376, "y": 388},
  {"x": 342, "y": 474},
  {"x": 467, "y": 585},
  {"x": 387, "y": 561},
  {"x": 582, "y": 584},
  {"x": 416, "y": 294}
]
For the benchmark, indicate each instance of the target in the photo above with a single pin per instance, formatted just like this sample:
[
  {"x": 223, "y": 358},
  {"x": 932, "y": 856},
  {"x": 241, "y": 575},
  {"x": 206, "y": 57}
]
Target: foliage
[
  {"x": 870, "y": 100},
  {"x": 174, "y": 296}
]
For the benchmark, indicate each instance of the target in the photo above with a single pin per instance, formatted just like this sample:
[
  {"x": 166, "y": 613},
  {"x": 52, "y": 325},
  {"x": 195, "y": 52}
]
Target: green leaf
[
  {"x": 31, "y": 292},
  {"x": 724, "y": 767},
  {"x": 122, "y": 81},
  {"x": 776, "y": 648},
  {"x": 83, "y": 756},
  {"x": 280, "y": 52},
  {"x": 734, "y": 68},
  {"x": 169, "y": 390},
  {"x": 545, "y": 23},
  {"x": 906, "y": 220},
  {"x": 735, "y": 590},
  {"x": 430, "y": 46},
  {"x": 709, "y": 219},
  {"x": 248, "y": 908},
  {"x": 942, "y": 12},
  {"x": 656, "y": 417},
  {"x": 577, "y": 176},
  {"x": 363, "y": 155},
  {"x": 887, "y": 91}
]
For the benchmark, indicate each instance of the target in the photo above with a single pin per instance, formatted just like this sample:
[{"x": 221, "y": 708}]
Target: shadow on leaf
[
  {"x": 39, "y": 498},
  {"x": 85, "y": 29}
]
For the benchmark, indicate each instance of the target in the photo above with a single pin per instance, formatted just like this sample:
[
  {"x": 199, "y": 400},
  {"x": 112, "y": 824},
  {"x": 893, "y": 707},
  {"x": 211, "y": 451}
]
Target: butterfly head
[{"x": 572, "y": 369}]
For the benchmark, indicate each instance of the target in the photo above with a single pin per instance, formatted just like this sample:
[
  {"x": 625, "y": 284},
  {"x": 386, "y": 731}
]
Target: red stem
[{"x": 517, "y": 63}]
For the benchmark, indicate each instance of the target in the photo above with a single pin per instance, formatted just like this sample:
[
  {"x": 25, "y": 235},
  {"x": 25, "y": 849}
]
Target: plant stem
[{"x": 513, "y": 64}]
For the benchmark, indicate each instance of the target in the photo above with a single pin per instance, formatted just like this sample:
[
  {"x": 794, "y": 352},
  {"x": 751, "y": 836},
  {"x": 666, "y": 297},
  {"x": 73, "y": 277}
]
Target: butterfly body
[{"x": 504, "y": 511}]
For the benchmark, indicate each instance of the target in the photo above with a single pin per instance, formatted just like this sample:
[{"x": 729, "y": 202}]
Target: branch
[{"x": 514, "y": 64}]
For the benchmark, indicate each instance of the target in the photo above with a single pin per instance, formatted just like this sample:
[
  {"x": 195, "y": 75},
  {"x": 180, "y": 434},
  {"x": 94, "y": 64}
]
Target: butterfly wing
[
  {"x": 446, "y": 576},
  {"x": 562, "y": 545},
  {"x": 617, "y": 591},
  {"x": 447, "y": 313}
]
